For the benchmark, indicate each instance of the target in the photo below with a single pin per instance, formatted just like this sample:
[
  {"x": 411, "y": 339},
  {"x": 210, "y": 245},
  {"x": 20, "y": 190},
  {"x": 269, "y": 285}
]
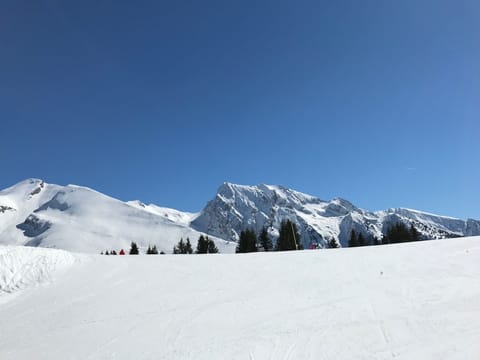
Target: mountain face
[
  {"x": 237, "y": 207},
  {"x": 80, "y": 219}
]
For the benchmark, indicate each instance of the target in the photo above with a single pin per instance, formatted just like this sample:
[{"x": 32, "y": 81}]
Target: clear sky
[{"x": 374, "y": 101}]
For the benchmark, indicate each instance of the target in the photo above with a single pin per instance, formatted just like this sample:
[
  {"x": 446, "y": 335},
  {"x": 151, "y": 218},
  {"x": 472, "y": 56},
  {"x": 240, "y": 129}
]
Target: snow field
[
  {"x": 408, "y": 301},
  {"x": 23, "y": 267}
]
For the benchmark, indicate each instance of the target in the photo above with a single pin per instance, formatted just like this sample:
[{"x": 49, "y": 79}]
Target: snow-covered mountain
[
  {"x": 236, "y": 207},
  {"x": 76, "y": 218},
  {"x": 80, "y": 219}
]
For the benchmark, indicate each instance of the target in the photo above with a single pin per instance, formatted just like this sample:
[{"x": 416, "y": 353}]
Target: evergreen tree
[
  {"x": 332, "y": 244},
  {"x": 152, "y": 250},
  {"x": 353, "y": 242},
  {"x": 133, "y": 249},
  {"x": 265, "y": 240},
  {"x": 202, "y": 246},
  {"x": 361, "y": 240},
  {"x": 289, "y": 238},
  {"x": 242, "y": 246},
  {"x": 206, "y": 246},
  {"x": 399, "y": 232},
  {"x": 107, "y": 253},
  {"x": 385, "y": 239},
  {"x": 180, "y": 248},
  {"x": 113, "y": 252},
  {"x": 188, "y": 247},
  {"x": 211, "y": 247},
  {"x": 247, "y": 241},
  {"x": 414, "y": 234}
]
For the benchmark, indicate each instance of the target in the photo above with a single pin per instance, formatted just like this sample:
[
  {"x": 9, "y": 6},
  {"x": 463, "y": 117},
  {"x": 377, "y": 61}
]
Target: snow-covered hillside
[
  {"x": 76, "y": 218},
  {"x": 80, "y": 219},
  {"x": 407, "y": 301},
  {"x": 236, "y": 207}
]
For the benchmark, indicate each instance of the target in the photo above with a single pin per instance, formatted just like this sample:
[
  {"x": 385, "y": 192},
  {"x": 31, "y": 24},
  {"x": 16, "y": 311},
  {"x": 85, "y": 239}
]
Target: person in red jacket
[{"x": 121, "y": 252}]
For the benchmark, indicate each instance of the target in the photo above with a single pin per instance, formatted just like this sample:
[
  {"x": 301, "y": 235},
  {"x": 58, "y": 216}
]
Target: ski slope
[{"x": 407, "y": 301}]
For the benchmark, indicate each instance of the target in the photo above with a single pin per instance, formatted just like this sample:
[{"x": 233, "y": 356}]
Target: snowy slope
[
  {"x": 80, "y": 219},
  {"x": 403, "y": 302},
  {"x": 236, "y": 207},
  {"x": 25, "y": 267},
  {"x": 175, "y": 216},
  {"x": 18, "y": 202}
]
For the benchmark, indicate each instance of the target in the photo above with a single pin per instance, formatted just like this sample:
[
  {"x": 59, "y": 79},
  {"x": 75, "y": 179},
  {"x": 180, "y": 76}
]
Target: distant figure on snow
[{"x": 121, "y": 252}]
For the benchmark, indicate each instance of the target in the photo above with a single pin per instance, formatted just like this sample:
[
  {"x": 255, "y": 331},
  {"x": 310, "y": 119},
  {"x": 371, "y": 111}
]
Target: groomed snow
[{"x": 409, "y": 301}]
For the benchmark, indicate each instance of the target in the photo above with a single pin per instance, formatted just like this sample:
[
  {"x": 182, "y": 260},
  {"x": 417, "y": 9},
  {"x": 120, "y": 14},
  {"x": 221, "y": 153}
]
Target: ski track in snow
[{"x": 409, "y": 301}]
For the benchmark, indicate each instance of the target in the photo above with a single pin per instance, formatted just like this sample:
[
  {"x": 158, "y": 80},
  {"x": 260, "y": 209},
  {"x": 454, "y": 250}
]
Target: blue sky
[{"x": 374, "y": 101}]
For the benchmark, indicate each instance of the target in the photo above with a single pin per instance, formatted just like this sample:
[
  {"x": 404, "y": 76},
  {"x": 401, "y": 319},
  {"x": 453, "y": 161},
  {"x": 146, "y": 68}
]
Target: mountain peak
[
  {"x": 238, "y": 207},
  {"x": 82, "y": 219}
]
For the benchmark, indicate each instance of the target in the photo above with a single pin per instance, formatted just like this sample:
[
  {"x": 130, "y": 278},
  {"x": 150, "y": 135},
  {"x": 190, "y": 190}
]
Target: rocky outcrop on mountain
[{"x": 237, "y": 207}]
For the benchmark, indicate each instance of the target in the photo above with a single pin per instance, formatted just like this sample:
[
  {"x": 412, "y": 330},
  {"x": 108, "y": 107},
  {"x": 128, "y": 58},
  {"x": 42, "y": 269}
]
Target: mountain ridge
[
  {"x": 80, "y": 219},
  {"x": 236, "y": 207},
  {"x": 73, "y": 217}
]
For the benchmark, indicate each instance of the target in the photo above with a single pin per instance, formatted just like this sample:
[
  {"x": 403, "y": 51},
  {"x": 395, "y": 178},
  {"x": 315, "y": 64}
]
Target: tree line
[
  {"x": 288, "y": 239},
  {"x": 205, "y": 245},
  {"x": 396, "y": 233},
  {"x": 152, "y": 250}
]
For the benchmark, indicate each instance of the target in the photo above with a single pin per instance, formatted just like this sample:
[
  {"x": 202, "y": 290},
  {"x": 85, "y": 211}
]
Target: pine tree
[
  {"x": 399, "y": 232},
  {"x": 361, "y": 240},
  {"x": 202, "y": 246},
  {"x": 211, "y": 247},
  {"x": 180, "y": 248},
  {"x": 289, "y": 238},
  {"x": 265, "y": 240},
  {"x": 242, "y": 245},
  {"x": 353, "y": 242},
  {"x": 247, "y": 242},
  {"x": 414, "y": 234},
  {"x": 206, "y": 246},
  {"x": 188, "y": 247},
  {"x": 332, "y": 244},
  {"x": 152, "y": 250},
  {"x": 113, "y": 252},
  {"x": 107, "y": 253},
  {"x": 133, "y": 249}
]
